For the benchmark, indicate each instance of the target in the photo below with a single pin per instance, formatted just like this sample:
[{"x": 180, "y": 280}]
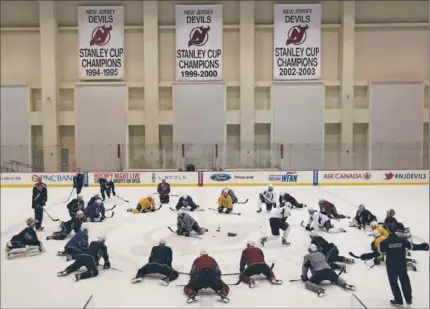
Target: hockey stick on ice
[
  {"x": 233, "y": 213},
  {"x": 122, "y": 199},
  {"x": 55, "y": 220},
  {"x": 112, "y": 208},
  {"x": 244, "y": 202},
  {"x": 88, "y": 301},
  {"x": 197, "y": 209},
  {"x": 191, "y": 235},
  {"x": 175, "y": 195},
  {"x": 73, "y": 189}
]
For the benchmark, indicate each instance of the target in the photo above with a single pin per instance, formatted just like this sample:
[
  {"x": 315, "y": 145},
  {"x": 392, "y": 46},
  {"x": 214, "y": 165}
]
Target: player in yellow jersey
[
  {"x": 379, "y": 237},
  {"x": 376, "y": 227},
  {"x": 225, "y": 202},
  {"x": 145, "y": 204}
]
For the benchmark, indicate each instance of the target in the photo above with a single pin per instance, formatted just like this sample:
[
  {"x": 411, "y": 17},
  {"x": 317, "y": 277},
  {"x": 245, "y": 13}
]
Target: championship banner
[
  {"x": 101, "y": 42},
  {"x": 199, "y": 42},
  {"x": 297, "y": 41}
]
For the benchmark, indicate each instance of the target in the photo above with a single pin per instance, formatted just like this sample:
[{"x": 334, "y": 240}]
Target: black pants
[
  {"x": 206, "y": 278},
  {"x": 38, "y": 215},
  {"x": 104, "y": 192},
  {"x": 60, "y": 235},
  {"x": 155, "y": 268},
  {"x": 87, "y": 261},
  {"x": 164, "y": 198},
  {"x": 324, "y": 274},
  {"x": 78, "y": 189},
  {"x": 396, "y": 272},
  {"x": 269, "y": 206},
  {"x": 256, "y": 269},
  {"x": 277, "y": 224}
]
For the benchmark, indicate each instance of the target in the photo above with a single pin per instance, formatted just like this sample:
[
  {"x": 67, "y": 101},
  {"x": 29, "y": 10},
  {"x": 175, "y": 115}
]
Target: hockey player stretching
[
  {"x": 278, "y": 221},
  {"x": 330, "y": 251},
  {"x": 267, "y": 197},
  {"x": 25, "y": 243},
  {"x": 160, "y": 262},
  {"x": 90, "y": 260},
  {"x": 205, "y": 273},
  {"x": 186, "y": 224},
  {"x": 288, "y": 198},
  {"x": 318, "y": 220},
  {"x": 231, "y": 193},
  {"x": 67, "y": 227},
  {"x": 225, "y": 202},
  {"x": 145, "y": 204},
  {"x": 106, "y": 187},
  {"x": 75, "y": 205},
  {"x": 253, "y": 259},
  {"x": 315, "y": 262},
  {"x": 330, "y": 210},
  {"x": 186, "y": 201},
  {"x": 362, "y": 218},
  {"x": 96, "y": 211},
  {"x": 77, "y": 245}
]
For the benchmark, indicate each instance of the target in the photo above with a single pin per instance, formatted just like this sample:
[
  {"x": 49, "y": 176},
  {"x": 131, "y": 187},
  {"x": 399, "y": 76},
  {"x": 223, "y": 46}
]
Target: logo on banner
[
  {"x": 220, "y": 177},
  {"x": 406, "y": 176},
  {"x": 168, "y": 178},
  {"x": 120, "y": 177},
  {"x": 199, "y": 58},
  {"x": 101, "y": 42},
  {"x": 100, "y": 36},
  {"x": 199, "y": 36},
  {"x": 297, "y": 56},
  {"x": 288, "y": 177},
  {"x": 348, "y": 176},
  {"x": 297, "y": 35}
]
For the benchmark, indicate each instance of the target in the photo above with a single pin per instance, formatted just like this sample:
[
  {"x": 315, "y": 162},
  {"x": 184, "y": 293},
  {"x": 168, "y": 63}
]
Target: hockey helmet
[
  {"x": 313, "y": 234},
  {"x": 163, "y": 180},
  {"x": 181, "y": 213},
  {"x": 225, "y": 191},
  {"x": 150, "y": 197},
  {"x": 162, "y": 242},
  {"x": 97, "y": 195},
  {"x": 80, "y": 213},
  {"x": 80, "y": 196},
  {"x": 204, "y": 252},
  {"x": 311, "y": 210},
  {"x": 270, "y": 187},
  {"x": 320, "y": 201},
  {"x": 288, "y": 204},
  {"x": 312, "y": 248},
  {"x": 250, "y": 243},
  {"x": 361, "y": 207},
  {"x": 101, "y": 238},
  {"x": 31, "y": 221},
  {"x": 98, "y": 201},
  {"x": 184, "y": 196},
  {"x": 373, "y": 224},
  {"x": 391, "y": 212}
]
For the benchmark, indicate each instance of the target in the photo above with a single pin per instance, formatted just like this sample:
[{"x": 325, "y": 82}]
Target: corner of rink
[{"x": 130, "y": 238}]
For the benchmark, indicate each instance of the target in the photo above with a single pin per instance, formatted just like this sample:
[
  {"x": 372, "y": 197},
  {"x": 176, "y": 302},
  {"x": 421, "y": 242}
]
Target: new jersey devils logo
[
  {"x": 297, "y": 35},
  {"x": 100, "y": 35},
  {"x": 199, "y": 36}
]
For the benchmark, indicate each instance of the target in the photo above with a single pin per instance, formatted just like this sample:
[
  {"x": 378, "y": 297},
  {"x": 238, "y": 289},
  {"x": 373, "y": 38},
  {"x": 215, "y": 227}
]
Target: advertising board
[
  {"x": 375, "y": 178},
  {"x": 258, "y": 178}
]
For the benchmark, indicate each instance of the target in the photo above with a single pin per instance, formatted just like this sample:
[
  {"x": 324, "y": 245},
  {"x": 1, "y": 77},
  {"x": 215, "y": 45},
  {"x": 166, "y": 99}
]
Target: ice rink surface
[{"x": 32, "y": 281}]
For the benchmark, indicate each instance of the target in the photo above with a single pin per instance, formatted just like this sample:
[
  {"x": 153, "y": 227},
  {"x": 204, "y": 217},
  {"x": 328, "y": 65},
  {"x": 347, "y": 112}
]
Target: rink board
[{"x": 226, "y": 178}]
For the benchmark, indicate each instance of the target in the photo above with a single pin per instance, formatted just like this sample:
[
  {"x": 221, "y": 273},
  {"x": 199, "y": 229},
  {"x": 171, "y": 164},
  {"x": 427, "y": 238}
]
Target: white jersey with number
[
  {"x": 269, "y": 196},
  {"x": 281, "y": 213},
  {"x": 317, "y": 220}
]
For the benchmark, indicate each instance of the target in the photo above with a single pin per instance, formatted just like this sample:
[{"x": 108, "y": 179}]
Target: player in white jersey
[
  {"x": 318, "y": 220},
  {"x": 267, "y": 197},
  {"x": 278, "y": 221}
]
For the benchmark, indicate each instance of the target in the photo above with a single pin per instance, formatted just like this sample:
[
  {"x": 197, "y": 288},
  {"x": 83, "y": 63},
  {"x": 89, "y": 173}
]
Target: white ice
[{"x": 32, "y": 281}]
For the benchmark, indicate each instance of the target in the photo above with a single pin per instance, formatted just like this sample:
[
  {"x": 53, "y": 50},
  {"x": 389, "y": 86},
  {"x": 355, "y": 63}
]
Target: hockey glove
[
  {"x": 228, "y": 210},
  {"x": 179, "y": 232},
  {"x": 304, "y": 278},
  {"x": 308, "y": 227},
  {"x": 106, "y": 265},
  {"x": 220, "y": 209},
  {"x": 152, "y": 209},
  {"x": 187, "y": 234}
]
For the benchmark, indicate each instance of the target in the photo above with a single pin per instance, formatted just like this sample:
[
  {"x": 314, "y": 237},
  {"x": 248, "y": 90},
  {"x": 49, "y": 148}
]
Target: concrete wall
[{"x": 362, "y": 41}]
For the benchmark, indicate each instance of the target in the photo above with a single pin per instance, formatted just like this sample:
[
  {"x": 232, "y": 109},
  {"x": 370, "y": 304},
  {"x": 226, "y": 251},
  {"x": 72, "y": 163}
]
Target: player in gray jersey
[{"x": 316, "y": 262}]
